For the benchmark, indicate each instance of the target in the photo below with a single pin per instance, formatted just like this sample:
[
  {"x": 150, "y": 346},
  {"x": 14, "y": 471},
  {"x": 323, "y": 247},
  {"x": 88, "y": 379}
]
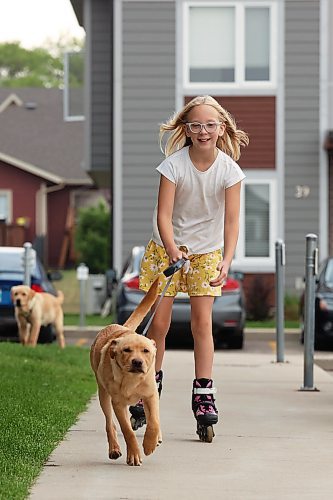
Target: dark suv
[{"x": 11, "y": 274}]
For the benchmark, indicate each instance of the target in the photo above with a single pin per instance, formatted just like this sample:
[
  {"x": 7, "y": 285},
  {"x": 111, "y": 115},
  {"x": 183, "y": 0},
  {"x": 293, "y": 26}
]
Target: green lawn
[{"x": 43, "y": 390}]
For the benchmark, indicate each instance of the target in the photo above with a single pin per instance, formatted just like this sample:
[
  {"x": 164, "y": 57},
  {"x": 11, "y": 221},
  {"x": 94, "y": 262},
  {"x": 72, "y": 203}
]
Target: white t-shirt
[{"x": 198, "y": 213}]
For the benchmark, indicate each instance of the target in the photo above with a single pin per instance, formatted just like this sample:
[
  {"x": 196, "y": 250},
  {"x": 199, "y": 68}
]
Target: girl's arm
[
  {"x": 166, "y": 198},
  {"x": 231, "y": 229}
]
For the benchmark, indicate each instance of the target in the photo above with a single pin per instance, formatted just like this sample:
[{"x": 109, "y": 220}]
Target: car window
[
  {"x": 329, "y": 273},
  {"x": 12, "y": 262},
  {"x": 126, "y": 267}
]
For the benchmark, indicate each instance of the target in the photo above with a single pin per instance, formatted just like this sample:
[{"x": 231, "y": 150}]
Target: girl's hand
[
  {"x": 175, "y": 254},
  {"x": 223, "y": 267}
]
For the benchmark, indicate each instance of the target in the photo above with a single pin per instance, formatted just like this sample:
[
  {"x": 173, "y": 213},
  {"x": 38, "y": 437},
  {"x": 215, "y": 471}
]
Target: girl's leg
[
  {"x": 203, "y": 402},
  {"x": 157, "y": 331},
  {"x": 201, "y": 325},
  {"x": 159, "y": 328}
]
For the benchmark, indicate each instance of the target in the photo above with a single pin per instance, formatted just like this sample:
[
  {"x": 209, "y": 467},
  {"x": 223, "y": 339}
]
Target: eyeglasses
[{"x": 196, "y": 127}]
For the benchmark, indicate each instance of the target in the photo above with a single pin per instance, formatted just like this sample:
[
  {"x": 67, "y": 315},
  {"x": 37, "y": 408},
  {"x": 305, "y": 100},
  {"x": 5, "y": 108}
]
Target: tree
[
  {"x": 39, "y": 67},
  {"x": 92, "y": 241}
]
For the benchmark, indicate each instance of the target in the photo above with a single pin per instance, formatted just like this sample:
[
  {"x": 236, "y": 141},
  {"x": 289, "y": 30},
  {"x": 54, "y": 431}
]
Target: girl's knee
[
  {"x": 160, "y": 327},
  {"x": 201, "y": 326}
]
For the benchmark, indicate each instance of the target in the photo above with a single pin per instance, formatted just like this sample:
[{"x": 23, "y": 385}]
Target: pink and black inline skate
[{"x": 204, "y": 409}]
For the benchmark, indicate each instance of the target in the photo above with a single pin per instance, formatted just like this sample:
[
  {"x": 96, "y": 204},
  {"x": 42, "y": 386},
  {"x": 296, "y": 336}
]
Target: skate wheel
[
  {"x": 205, "y": 433},
  {"x": 134, "y": 424},
  {"x": 137, "y": 423},
  {"x": 209, "y": 434}
]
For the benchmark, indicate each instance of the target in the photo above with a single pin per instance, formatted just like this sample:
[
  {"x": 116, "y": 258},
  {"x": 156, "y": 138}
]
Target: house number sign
[{"x": 302, "y": 191}]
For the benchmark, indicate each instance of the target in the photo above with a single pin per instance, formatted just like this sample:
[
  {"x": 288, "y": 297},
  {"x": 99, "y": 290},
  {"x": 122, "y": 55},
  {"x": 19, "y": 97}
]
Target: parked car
[
  {"x": 323, "y": 306},
  {"x": 228, "y": 310},
  {"x": 11, "y": 274}
]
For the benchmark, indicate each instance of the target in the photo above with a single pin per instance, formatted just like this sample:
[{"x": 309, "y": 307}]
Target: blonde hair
[{"x": 229, "y": 143}]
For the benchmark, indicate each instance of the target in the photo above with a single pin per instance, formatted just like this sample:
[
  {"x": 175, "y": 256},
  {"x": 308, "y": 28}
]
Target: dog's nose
[
  {"x": 18, "y": 303},
  {"x": 136, "y": 363}
]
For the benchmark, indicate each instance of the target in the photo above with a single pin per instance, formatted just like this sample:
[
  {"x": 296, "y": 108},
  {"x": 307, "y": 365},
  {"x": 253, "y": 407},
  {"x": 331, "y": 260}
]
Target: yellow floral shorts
[{"x": 195, "y": 282}]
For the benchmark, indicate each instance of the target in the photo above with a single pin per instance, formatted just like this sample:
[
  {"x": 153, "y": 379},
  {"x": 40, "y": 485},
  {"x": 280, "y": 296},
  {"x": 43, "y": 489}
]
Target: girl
[{"x": 196, "y": 215}]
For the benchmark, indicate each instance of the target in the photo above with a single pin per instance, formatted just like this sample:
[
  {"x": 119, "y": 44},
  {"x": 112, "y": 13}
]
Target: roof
[
  {"x": 78, "y": 9},
  {"x": 35, "y": 137}
]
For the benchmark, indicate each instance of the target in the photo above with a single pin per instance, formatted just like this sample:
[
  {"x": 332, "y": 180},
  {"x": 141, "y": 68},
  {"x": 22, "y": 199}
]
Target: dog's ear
[
  {"x": 153, "y": 342},
  {"x": 113, "y": 347},
  {"x": 12, "y": 290},
  {"x": 31, "y": 294}
]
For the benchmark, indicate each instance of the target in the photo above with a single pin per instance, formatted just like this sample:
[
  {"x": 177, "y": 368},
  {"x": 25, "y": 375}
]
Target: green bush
[
  {"x": 92, "y": 238},
  {"x": 291, "y": 307}
]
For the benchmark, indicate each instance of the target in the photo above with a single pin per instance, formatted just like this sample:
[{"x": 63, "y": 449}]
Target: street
[{"x": 257, "y": 341}]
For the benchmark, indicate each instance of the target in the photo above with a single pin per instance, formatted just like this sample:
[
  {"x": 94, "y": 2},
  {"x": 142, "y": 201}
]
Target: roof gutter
[{"x": 32, "y": 169}]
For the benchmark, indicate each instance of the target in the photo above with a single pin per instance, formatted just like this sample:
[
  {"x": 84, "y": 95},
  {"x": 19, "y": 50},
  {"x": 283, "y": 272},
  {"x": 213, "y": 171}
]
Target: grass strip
[
  {"x": 43, "y": 390},
  {"x": 72, "y": 319},
  {"x": 270, "y": 323}
]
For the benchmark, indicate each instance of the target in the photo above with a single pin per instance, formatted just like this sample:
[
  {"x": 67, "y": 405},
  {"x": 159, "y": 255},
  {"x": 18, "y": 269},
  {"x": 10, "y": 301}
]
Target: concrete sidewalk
[{"x": 272, "y": 441}]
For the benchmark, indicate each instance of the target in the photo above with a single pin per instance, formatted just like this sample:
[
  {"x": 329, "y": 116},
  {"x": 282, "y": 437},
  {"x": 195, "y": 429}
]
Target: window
[
  {"x": 257, "y": 44},
  {"x": 229, "y": 44},
  {"x": 211, "y": 59},
  {"x": 256, "y": 200},
  {"x": 73, "y": 86},
  {"x": 256, "y": 244},
  {"x": 5, "y": 206}
]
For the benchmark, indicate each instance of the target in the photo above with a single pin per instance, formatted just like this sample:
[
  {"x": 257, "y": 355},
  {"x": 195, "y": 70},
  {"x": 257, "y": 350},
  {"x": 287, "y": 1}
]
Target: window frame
[
  {"x": 9, "y": 195},
  {"x": 66, "y": 92},
  {"x": 265, "y": 264},
  {"x": 240, "y": 82}
]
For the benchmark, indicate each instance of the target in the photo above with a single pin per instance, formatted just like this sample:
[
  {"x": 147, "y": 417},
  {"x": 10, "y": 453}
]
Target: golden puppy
[
  {"x": 124, "y": 366},
  {"x": 34, "y": 309}
]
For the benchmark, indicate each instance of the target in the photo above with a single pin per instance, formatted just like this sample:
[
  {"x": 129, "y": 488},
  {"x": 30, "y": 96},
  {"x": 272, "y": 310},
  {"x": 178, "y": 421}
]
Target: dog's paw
[
  {"x": 149, "y": 443},
  {"x": 134, "y": 457},
  {"x": 114, "y": 454}
]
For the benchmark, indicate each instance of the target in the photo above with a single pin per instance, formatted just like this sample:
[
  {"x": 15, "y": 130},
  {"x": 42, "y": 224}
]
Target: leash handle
[{"x": 168, "y": 273}]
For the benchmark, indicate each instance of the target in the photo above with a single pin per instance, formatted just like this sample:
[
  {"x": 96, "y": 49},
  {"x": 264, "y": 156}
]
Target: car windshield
[
  {"x": 329, "y": 273},
  {"x": 12, "y": 262}
]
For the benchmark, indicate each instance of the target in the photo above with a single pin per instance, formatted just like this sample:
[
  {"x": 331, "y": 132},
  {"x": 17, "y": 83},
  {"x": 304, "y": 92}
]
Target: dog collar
[{"x": 28, "y": 313}]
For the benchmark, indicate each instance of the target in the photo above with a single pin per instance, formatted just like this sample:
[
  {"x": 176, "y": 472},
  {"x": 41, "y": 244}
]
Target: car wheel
[
  {"x": 237, "y": 341},
  {"x": 46, "y": 335},
  {"x": 320, "y": 344}
]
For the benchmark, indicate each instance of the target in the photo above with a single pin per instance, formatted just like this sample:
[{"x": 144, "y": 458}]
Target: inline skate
[
  {"x": 138, "y": 417},
  {"x": 204, "y": 409}
]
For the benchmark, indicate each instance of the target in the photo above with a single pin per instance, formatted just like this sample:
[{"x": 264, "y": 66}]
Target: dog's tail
[
  {"x": 143, "y": 308},
  {"x": 60, "y": 297}
]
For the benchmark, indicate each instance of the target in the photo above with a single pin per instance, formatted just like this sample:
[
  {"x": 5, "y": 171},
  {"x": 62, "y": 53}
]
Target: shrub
[
  {"x": 92, "y": 238},
  {"x": 258, "y": 306}
]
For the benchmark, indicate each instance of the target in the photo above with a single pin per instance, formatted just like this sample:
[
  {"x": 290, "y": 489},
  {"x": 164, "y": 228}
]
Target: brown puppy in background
[
  {"x": 34, "y": 309},
  {"x": 124, "y": 366}
]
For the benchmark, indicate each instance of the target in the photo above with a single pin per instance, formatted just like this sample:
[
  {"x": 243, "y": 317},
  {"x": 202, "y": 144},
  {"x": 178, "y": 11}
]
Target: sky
[{"x": 32, "y": 22}]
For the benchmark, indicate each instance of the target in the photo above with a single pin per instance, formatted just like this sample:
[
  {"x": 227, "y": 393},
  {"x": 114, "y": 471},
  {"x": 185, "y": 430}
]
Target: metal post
[
  {"x": 27, "y": 259},
  {"x": 82, "y": 274},
  {"x": 279, "y": 298},
  {"x": 82, "y": 304},
  {"x": 311, "y": 270}
]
